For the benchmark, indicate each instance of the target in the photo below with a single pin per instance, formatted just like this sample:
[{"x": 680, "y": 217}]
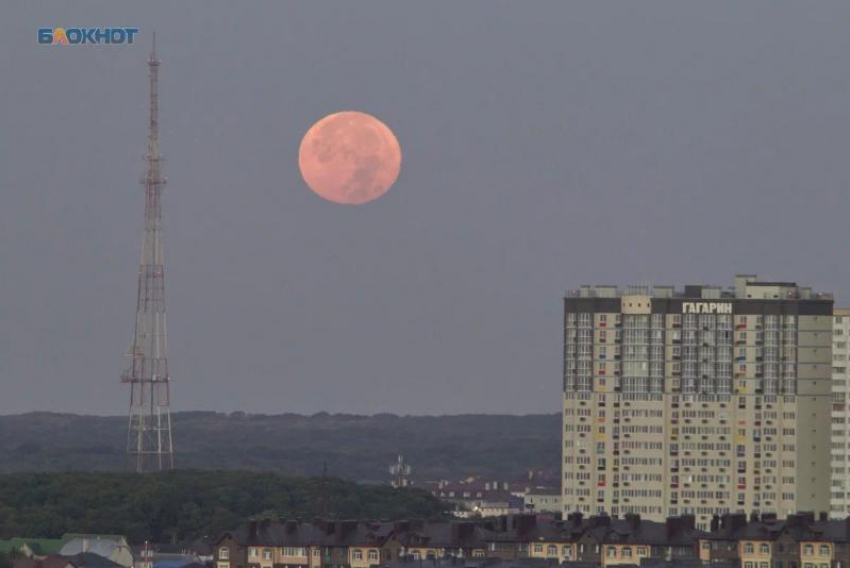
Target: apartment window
[
  {"x": 317, "y": 552},
  {"x": 824, "y": 550},
  {"x": 567, "y": 552},
  {"x": 358, "y": 555},
  {"x": 627, "y": 552},
  {"x": 373, "y": 555},
  {"x": 764, "y": 548},
  {"x": 808, "y": 550},
  {"x": 224, "y": 553},
  {"x": 610, "y": 552},
  {"x": 253, "y": 553},
  {"x": 748, "y": 548},
  {"x": 552, "y": 550},
  {"x": 267, "y": 554},
  {"x": 538, "y": 548}
]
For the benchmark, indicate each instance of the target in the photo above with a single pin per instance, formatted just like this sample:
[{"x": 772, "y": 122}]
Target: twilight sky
[{"x": 546, "y": 145}]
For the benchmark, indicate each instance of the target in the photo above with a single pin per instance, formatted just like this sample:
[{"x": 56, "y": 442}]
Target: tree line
[{"x": 185, "y": 505}]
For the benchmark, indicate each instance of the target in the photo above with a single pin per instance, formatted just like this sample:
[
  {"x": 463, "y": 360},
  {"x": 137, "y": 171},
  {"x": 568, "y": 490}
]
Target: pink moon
[{"x": 350, "y": 158}]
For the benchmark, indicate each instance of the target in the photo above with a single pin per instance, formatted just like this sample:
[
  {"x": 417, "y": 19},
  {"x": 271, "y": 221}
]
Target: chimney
[
  {"x": 402, "y": 526},
  {"x": 252, "y": 529},
  {"x": 672, "y": 526},
  {"x": 733, "y": 521},
  {"x": 715, "y": 523},
  {"x": 796, "y": 521},
  {"x": 523, "y": 523},
  {"x": 633, "y": 520},
  {"x": 823, "y": 516},
  {"x": 575, "y": 518},
  {"x": 348, "y": 527},
  {"x": 461, "y": 530}
]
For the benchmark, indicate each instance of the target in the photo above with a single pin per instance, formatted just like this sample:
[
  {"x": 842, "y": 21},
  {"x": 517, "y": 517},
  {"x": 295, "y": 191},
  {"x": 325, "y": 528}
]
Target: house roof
[
  {"x": 39, "y": 546},
  {"x": 92, "y": 560},
  {"x": 458, "y": 534},
  {"x": 102, "y": 546},
  {"x": 69, "y": 536},
  {"x": 321, "y": 533},
  {"x": 82, "y": 560}
]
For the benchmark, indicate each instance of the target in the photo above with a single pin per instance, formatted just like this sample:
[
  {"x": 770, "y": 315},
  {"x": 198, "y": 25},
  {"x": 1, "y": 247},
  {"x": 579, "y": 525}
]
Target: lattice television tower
[{"x": 149, "y": 443}]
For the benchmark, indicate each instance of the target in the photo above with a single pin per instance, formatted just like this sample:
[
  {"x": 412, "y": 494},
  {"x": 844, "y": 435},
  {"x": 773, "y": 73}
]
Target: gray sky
[{"x": 546, "y": 145}]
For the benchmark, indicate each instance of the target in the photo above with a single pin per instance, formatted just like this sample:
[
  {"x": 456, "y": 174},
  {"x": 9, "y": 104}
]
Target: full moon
[{"x": 349, "y": 157}]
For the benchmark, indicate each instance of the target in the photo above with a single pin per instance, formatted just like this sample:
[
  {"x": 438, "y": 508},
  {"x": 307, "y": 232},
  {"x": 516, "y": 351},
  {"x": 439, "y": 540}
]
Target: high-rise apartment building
[
  {"x": 839, "y": 505},
  {"x": 697, "y": 401}
]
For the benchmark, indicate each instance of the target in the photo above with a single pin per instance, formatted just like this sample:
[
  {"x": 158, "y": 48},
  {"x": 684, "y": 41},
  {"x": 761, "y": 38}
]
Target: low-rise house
[
  {"x": 156, "y": 559},
  {"x": 476, "y": 497},
  {"x": 542, "y": 500},
  {"x": 600, "y": 540},
  {"x": 799, "y": 541},
  {"x": 490, "y": 504},
  {"x": 79, "y": 560},
  {"x": 298, "y": 544},
  {"x": 112, "y": 547},
  {"x": 430, "y": 541},
  {"x": 633, "y": 542}
]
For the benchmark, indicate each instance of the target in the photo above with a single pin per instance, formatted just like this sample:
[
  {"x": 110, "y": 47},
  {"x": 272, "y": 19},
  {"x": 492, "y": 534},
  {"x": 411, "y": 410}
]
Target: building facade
[
  {"x": 519, "y": 539},
  {"x": 699, "y": 401},
  {"x": 839, "y": 505}
]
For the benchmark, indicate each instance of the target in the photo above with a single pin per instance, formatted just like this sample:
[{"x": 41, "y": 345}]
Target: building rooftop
[{"x": 747, "y": 286}]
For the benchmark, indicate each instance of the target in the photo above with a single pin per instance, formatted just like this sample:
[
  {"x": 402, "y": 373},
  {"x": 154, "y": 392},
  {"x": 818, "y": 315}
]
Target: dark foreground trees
[{"x": 184, "y": 505}]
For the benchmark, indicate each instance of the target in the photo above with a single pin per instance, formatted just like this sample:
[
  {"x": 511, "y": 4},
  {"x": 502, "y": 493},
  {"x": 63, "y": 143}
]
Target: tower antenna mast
[{"x": 149, "y": 441}]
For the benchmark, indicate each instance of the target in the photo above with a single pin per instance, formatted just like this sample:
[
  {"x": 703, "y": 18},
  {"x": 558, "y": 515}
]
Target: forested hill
[
  {"x": 181, "y": 506},
  {"x": 358, "y": 448}
]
